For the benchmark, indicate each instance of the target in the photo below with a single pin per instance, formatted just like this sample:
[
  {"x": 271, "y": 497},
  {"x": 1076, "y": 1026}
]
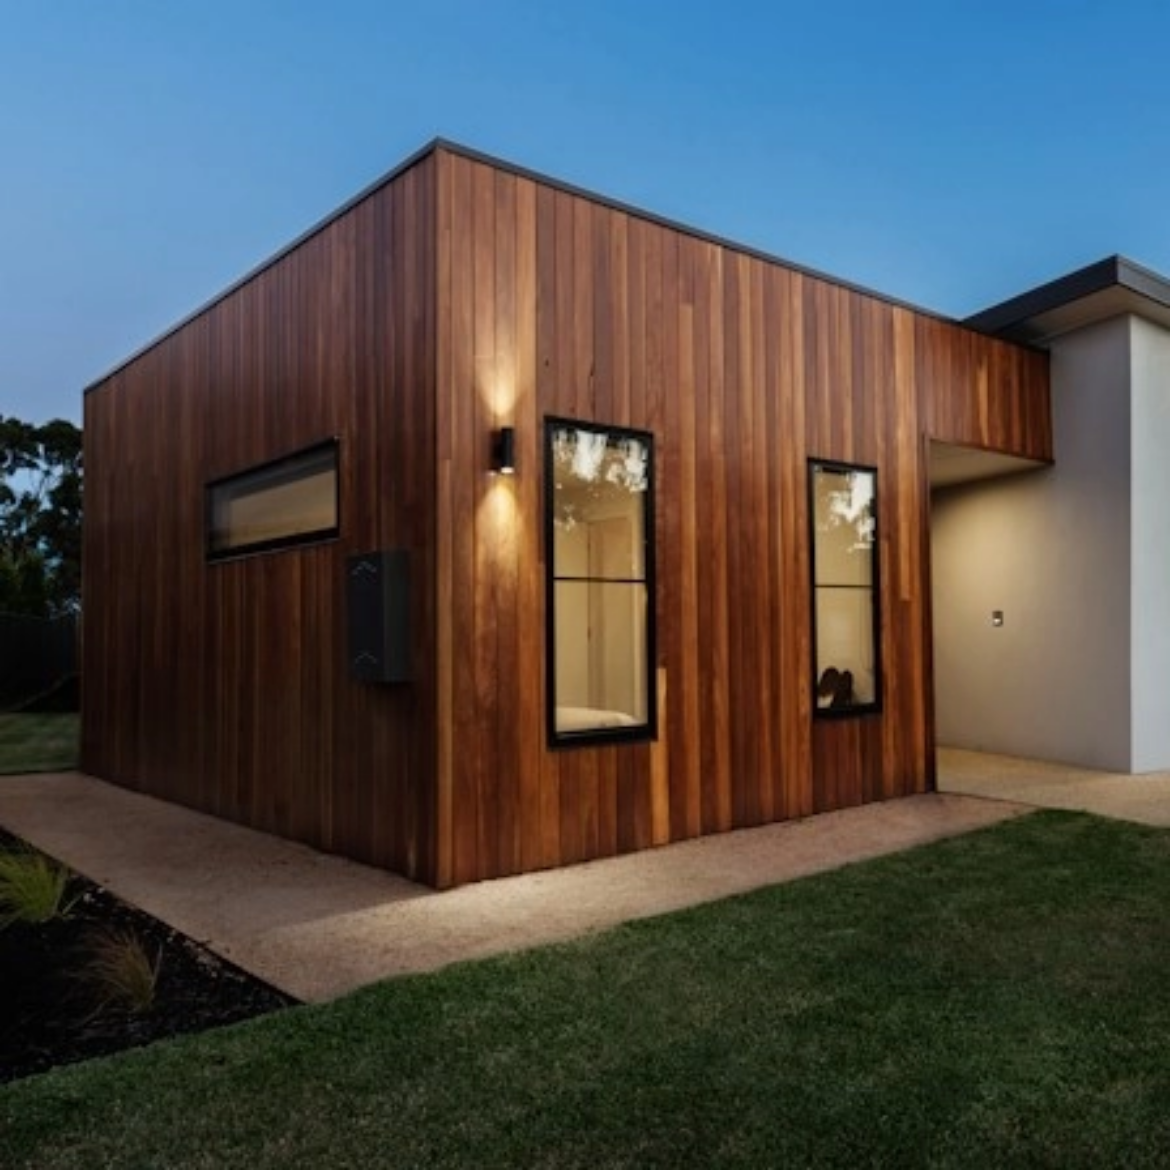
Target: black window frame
[
  {"x": 270, "y": 470},
  {"x": 641, "y": 732},
  {"x": 852, "y": 710}
]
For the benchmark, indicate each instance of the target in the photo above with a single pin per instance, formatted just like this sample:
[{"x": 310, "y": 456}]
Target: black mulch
[{"x": 52, "y": 1010}]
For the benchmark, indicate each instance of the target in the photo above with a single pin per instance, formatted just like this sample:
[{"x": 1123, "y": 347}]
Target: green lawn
[
  {"x": 997, "y": 1000},
  {"x": 38, "y": 743}
]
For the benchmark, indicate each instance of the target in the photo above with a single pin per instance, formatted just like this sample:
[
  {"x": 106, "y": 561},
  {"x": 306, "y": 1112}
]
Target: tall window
[
  {"x": 599, "y": 521},
  {"x": 289, "y": 501},
  {"x": 843, "y": 507}
]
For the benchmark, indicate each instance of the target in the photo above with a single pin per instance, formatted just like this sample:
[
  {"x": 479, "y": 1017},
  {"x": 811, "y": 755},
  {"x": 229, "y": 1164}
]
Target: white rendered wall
[
  {"x": 1051, "y": 549},
  {"x": 1150, "y": 379}
]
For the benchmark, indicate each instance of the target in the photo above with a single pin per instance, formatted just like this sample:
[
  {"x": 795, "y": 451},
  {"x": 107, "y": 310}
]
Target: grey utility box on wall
[{"x": 377, "y": 600}]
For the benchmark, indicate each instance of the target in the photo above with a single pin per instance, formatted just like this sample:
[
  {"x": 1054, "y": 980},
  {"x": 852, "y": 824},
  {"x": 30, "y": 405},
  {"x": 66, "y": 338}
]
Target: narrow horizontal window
[
  {"x": 600, "y": 583},
  {"x": 287, "y": 502},
  {"x": 843, "y": 506}
]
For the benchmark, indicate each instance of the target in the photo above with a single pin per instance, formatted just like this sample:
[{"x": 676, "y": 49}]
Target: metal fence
[{"x": 37, "y": 656}]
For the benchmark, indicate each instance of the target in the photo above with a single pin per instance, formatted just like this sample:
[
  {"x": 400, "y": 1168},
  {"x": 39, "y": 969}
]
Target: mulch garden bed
[{"x": 53, "y": 1010}]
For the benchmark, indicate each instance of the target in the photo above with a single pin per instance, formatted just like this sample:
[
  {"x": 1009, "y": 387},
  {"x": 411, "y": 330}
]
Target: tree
[{"x": 40, "y": 517}]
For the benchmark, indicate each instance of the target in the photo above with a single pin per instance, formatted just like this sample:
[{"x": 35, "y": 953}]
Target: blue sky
[{"x": 949, "y": 153}]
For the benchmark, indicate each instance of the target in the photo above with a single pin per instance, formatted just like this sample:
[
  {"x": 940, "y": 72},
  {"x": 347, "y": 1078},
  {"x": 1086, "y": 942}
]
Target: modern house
[{"x": 493, "y": 526}]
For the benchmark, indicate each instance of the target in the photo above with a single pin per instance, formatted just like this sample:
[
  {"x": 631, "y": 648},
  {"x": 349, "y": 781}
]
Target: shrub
[
  {"x": 32, "y": 888},
  {"x": 125, "y": 974}
]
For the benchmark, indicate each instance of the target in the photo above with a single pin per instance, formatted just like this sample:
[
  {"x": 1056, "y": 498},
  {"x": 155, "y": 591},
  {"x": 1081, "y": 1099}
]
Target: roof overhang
[
  {"x": 950, "y": 464},
  {"x": 1103, "y": 290}
]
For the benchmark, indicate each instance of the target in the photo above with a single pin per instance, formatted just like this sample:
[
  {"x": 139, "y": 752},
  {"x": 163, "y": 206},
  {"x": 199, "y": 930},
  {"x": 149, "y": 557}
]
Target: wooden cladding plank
[
  {"x": 680, "y": 562},
  {"x": 445, "y": 475},
  {"x": 794, "y": 632}
]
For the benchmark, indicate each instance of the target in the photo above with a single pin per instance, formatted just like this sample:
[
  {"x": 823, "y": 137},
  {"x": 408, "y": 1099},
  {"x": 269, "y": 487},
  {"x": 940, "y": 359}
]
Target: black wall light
[{"x": 504, "y": 451}]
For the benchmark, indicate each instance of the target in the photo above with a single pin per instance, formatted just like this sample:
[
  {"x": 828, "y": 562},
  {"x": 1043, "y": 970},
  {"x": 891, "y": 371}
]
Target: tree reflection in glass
[{"x": 844, "y": 587}]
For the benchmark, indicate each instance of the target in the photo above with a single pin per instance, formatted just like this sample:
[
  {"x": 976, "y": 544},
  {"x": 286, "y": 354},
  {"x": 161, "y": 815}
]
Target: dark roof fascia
[
  {"x": 1006, "y": 318},
  {"x": 445, "y": 144}
]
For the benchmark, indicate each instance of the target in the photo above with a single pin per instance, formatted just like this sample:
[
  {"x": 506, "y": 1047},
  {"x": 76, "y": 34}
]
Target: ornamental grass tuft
[
  {"x": 32, "y": 888},
  {"x": 124, "y": 974}
]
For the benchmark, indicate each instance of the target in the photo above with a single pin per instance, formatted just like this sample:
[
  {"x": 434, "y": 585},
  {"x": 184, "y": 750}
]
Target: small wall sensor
[{"x": 997, "y": 618}]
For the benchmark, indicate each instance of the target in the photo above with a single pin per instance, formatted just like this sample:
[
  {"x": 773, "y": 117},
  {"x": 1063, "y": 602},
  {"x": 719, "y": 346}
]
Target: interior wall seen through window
[
  {"x": 287, "y": 501},
  {"x": 600, "y": 670},
  {"x": 844, "y": 586}
]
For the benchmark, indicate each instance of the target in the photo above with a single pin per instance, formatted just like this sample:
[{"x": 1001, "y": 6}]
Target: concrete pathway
[
  {"x": 1142, "y": 798},
  {"x": 318, "y": 926}
]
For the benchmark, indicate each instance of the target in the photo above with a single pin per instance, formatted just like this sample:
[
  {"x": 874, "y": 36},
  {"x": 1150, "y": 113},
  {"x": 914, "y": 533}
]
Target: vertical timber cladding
[
  {"x": 225, "y": 686},
  {"x": 552, "y": 303},
  {"x": 455, "y": 297}
]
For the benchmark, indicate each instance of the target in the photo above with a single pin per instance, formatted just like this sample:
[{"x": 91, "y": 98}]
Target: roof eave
[{"x": 1098, "y": 292}]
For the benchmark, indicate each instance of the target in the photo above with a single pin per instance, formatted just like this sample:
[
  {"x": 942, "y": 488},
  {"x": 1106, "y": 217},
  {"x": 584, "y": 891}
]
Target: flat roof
[
  {"x": 499, "y": 164},
  {"x": 1109, "y": 288}
]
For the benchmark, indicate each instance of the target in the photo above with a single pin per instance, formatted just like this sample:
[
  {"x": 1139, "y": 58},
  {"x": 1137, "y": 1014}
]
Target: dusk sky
[{"x": 950, "y": 154}]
